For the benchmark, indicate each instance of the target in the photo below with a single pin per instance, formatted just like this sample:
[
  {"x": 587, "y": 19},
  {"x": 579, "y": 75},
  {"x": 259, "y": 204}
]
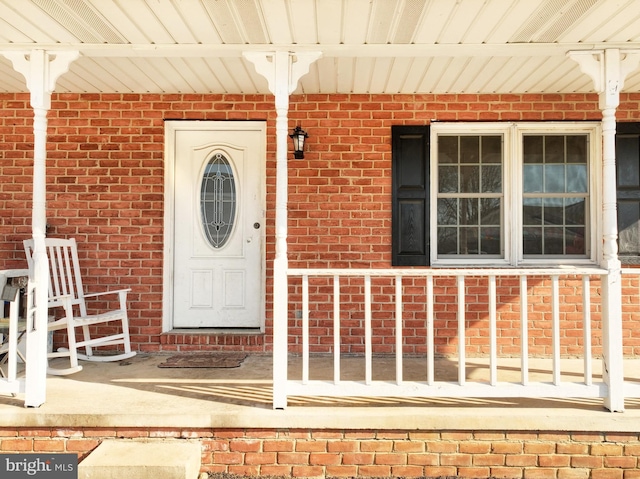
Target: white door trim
[{"x": 171, "y": 127}]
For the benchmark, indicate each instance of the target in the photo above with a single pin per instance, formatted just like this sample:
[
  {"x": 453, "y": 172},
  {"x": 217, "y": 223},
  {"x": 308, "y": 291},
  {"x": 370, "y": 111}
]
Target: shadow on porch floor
[{"x": 137, "y": 393}]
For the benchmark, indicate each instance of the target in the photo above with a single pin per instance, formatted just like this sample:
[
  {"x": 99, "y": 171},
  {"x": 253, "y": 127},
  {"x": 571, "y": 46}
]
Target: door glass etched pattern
[{"x": 218, "y": 200}]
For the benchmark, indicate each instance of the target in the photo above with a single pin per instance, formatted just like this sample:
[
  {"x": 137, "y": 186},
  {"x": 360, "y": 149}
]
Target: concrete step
[{"x": 135, "y": 459}]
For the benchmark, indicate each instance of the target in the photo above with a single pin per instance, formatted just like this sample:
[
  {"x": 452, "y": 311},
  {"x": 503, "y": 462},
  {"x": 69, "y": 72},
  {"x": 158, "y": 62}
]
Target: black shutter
[
  {"x": 628, "y": 187},
  {"x": 410, "y": 215}
]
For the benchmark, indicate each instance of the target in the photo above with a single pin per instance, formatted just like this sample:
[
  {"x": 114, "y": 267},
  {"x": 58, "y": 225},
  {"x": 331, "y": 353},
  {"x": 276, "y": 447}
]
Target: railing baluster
[
  {"x": 367, "y": 330},
  {"x": 493, "y": 361},
  {"x": 336, "y": 329},
  {"x": 305, "y": 329},
  {"x": 586, "y": 326},
  {"x": 461, "y": 331},
  {"x": 555, "y": 327},
  {"x": 399, "y": 334},
  {"x": 430, "y": 333},
  {"x": 524, "y": 331}
]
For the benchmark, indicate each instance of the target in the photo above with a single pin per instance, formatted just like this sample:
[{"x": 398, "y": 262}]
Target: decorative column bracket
[
  {"x": 608, "y": 70},
  {"x": 41, "y": 70},
  {"x": 282, "y": 71}
]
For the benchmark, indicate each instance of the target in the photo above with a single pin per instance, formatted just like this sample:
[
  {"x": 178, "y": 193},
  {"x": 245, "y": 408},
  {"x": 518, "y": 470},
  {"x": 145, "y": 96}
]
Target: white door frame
[{"x": 171, "y": 127}]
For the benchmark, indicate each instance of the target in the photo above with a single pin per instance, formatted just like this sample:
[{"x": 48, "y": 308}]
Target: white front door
[{"x": 218, "y": 224}]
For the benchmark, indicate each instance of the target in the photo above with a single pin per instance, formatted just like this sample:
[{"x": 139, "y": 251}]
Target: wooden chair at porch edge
[{"x": 66, "y": 292}]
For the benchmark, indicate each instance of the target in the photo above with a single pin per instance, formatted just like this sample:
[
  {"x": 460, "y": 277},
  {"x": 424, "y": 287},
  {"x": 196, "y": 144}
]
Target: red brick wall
[
  {"x": 106, "y": 179},
  {"x": 369, "y": 453}
]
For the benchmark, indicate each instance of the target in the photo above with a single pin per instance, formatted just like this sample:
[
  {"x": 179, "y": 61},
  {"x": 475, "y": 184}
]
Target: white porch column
[
  {"x": 608, "y": 69},
  {"x": 40, "y": 69},
  {"x": 282, "y": 70}
]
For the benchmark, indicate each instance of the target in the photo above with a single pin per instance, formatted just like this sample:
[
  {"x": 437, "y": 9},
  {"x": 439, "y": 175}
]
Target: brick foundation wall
[
  {"x": 367, "y": 453},
  {"x": 106, "y": 179}
]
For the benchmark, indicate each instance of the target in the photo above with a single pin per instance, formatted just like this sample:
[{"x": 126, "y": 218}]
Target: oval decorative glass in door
[{"x": 218, "y": 200}]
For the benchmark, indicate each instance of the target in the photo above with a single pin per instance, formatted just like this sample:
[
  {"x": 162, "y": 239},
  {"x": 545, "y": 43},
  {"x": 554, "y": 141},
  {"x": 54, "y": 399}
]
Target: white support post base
[
  {"x": 282, "y": 70},
  {"x": 41, "y": 70}
]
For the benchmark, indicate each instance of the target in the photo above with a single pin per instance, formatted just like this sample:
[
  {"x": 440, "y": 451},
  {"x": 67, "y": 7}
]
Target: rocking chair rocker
[{"x": 66, "y": 292}]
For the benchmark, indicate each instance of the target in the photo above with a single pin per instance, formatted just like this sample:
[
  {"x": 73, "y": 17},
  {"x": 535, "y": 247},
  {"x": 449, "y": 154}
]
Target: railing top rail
[{"x": 558, "y": 271}]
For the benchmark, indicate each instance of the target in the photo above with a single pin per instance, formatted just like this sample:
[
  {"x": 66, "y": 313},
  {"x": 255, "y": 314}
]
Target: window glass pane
[
  {"x": 627, "y": 164},
  {"x": 491, "y": 179},
  {"x": 532, "y": 176},
  {"x": 554, "y": 178},
  {"x": 448, "y": 211},
  {"x": 532, "y": 212},
  {"x": 491, "y": 149},
  {"x": 469, "y": 243},
  {"x": 532, "y": 241},
  {"x": 576, "y": 149},
  {"x": 629, "y": 227},
  {"x": 553, "y": 240},
  {"x": 448, "y": 179},
  {"x": 576, "y": 178},
  {"x": 532, "y": 149},
  {"x": 447, "y": 149},
  {"x": 490, "y": 241},
  {"x": 490, "y": 211},
  {"x": 469, "y": 179},
  {"x": 469, "y": 149},
  {"x": 553, "y": 211},
  {"x": 468, "y": 211},
  {"x": 447, "y": 241},
  {"x": 575, "y": 211},
  {"x": 490, "y": 214},
  {"x": 554, "y": 149},
  {"x": 574, "y": 241}
]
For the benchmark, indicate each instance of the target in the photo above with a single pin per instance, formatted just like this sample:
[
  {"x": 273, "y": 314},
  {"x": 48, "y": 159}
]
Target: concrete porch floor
[{"x": 137, "y": 393}]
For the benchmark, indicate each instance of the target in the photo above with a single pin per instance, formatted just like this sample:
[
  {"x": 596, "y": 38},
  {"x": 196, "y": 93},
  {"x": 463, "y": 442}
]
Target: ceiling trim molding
[{"x": 328, "y": 50}]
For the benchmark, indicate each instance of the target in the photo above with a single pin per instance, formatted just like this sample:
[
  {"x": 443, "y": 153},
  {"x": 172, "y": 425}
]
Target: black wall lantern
[{"x": 298, "y": 136}]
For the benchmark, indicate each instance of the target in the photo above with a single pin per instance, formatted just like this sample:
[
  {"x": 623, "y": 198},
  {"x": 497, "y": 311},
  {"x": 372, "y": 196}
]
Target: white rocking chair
[{"x": 66, "y": 291}]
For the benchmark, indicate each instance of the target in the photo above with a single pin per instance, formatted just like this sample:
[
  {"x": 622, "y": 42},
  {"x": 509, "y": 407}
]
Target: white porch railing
[{"x": 431, "y": 386}]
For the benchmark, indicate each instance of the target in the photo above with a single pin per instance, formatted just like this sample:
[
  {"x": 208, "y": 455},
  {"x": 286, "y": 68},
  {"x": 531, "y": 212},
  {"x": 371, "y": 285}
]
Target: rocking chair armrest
[
  {"x": 103, "y": 293},
  {"x": 63, "y": 300}
]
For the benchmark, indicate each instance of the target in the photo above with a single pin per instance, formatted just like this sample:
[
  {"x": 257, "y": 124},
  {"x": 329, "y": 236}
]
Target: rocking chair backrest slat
[
  {"x": 64, "y": 270},
  {"x": 57, "y": 285}
]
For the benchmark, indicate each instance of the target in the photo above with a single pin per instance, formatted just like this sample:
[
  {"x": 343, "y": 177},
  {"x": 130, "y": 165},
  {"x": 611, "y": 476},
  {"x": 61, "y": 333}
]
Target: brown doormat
[{"x": 204, "y": 360}]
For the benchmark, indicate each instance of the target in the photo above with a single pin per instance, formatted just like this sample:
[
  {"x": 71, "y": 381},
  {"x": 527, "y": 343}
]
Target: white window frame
[{"x": 512, "y": 134}]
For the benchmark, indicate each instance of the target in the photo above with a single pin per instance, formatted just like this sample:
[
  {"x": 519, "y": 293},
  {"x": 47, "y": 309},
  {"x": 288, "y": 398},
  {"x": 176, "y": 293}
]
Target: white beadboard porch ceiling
[{"x": 368, "y": 46}]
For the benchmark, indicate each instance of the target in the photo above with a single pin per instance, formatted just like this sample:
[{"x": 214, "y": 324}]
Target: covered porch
[{"x": 536, "y": 48}]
